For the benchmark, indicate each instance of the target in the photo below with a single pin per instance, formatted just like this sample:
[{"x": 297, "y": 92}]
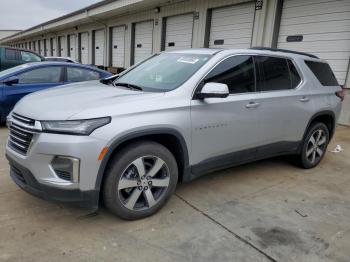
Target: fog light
[{"x": 66, "y": 168}]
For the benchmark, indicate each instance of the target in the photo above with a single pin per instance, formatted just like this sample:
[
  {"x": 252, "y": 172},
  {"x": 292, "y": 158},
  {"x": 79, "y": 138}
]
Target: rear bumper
[{"x": 26, "y": 181}]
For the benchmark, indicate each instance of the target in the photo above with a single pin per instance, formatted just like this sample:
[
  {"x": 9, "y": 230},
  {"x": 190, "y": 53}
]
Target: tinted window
[
  {"x": 236, "y": 72},
  {"x": 274, "y": 73},
  {"x": 11, "y": 54},
  {"x": 41, "y": 75},
  {"x": 30, "y": 57},
  {"x": 294, "y": 75},
  {"x": 323, "y": 72},
  {"x": 75, "y": 74}
]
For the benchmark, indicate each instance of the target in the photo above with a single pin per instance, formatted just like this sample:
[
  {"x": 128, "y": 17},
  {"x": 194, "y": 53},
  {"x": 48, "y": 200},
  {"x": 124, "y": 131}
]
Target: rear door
[
  {"x": 284, "y": 102},
  {"x": 10, "y": 58},
  {"x": 31, "y": 81},
  {"x": 79, "y": 74}
]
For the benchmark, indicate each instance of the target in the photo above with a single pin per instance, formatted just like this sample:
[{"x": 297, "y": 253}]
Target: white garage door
[
  {"x": 178, "y": 34},
  {"x": 143, "y": 40},
  {"x": 73, "y": 46},
  {"x": 53, "y": 46},
  {"x": 232, "y": 27},
  {"x": 47, "y": 47},
  {"x": 63, "y": 46},
  {"x": 118, "y": 46},
  {"x": 99, "y": 47},
  {"x": 325, "y": 30},
  {"x": 41, "y": 47},
  {"x": 84, "y": 48}
]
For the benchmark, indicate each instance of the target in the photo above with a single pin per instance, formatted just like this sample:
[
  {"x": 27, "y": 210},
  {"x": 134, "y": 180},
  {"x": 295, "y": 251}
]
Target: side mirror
[
  {"x": 11, "y": 81},
  {"x": 214, "y": 90}
]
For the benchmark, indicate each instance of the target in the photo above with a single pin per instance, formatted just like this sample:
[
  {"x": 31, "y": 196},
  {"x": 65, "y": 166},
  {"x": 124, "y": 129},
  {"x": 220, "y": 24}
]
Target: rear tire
[
  {"x": 314, "y": 145},
  {"x": 139, "y": 180}
]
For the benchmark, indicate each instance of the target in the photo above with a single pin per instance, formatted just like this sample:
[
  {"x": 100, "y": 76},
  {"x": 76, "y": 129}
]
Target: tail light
[{"x": 341, "y": 94}]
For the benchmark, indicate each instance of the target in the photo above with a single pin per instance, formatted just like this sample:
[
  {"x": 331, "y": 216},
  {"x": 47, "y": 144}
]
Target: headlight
[{"x": 74, "y": 127}]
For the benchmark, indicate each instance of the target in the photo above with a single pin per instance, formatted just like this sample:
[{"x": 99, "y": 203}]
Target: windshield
[
  {"x": 12, "y": 70},
  {"x": 163, "y": 72}
]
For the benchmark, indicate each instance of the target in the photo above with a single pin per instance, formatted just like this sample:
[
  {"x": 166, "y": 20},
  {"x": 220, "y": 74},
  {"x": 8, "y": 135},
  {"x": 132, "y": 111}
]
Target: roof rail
[{"x": 284, "y": 51}]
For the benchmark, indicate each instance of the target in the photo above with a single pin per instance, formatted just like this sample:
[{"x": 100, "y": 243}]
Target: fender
[
  {"x": 321, "y": 113},
  {"x": 139, "y": 134}
]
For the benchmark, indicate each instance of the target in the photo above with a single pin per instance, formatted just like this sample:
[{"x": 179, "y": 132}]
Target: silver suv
[{"x": 173, "y": 117}]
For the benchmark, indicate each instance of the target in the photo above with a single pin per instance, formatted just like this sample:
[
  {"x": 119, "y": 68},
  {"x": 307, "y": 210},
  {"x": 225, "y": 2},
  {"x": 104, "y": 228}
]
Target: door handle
[
  {"x": 304, "y": 99},
  {"x": 252, "y": 105}
]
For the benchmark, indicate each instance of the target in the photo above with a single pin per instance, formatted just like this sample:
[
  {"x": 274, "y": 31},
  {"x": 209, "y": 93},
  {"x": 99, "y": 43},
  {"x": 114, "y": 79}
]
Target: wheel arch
[
  {"x": 327, "y": 117},
  {"x": 170, "y": 138}
]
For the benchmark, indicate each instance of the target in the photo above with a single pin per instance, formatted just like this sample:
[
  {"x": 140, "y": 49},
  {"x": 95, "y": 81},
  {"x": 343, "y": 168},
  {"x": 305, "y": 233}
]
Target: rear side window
[
  {"x": 75, "y": 74},
  {"x": 323, "y": 73},
  {"x": 237, "y": 72},
  {"x": 29, "y": 57},
  {"x": 11, "y": 54},
  {"x": 274, "y": 74},
  {"x": 41, "y": 75}
]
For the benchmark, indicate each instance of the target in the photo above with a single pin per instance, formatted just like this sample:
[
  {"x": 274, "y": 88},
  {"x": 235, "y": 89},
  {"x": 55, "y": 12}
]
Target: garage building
[{"x": 116, "y": 34}]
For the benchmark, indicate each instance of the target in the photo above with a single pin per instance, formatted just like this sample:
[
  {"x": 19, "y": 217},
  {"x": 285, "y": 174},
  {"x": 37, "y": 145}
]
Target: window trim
[{"x": 302, "y": 78}]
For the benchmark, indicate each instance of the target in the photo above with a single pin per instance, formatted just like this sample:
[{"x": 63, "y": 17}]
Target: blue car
[{"x": 21, "y": 80}]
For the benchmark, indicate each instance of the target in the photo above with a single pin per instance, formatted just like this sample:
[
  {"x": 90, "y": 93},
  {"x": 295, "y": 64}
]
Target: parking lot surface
[{"x": 270, "y": 210}]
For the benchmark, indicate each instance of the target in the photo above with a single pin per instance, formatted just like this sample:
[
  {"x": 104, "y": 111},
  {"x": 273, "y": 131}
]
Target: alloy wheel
[
  {"x": 316, "y": 146},
  {"x": 143, "y": 183}
]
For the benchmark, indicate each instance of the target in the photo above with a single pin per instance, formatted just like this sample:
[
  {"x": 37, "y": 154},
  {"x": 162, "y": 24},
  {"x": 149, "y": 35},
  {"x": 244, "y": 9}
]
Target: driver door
[{"x": 226, "y": 131}]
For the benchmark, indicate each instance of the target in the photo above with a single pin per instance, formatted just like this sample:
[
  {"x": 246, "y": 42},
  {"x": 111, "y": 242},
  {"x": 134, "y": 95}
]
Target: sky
[{"x": 23, "y": 14}]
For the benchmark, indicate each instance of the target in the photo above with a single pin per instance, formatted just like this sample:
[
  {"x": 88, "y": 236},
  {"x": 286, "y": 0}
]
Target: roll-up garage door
[
  {"x": 143, "y": 40},
  {"x": 84, "y": 48},
  {"x": 232, "y": 27},
  {"x": 63, "y": 46},
  {"x": 118, "y": 46},
  {"x": 99, "y": 47},
  {"x": 320, "y": 27},
  {"x": 72, "y": 46},
  {"x": 53, "y": 46},
  {"x": 47, "y": 47},
  {"x": 178, "y": 34},
  {"x": 41, "y": 47}
]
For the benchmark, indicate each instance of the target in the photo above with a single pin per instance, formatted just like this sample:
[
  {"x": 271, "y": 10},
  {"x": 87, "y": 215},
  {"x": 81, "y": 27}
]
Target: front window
[
  {"x": 163, "y": 72},
  {"x": 50, "y": 74}
]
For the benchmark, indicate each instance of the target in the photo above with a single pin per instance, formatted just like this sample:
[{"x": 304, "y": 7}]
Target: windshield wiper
[{"x": 130, "y": 86}]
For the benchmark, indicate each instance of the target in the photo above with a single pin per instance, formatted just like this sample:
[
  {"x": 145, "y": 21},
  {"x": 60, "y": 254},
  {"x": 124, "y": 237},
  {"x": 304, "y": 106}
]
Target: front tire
[
  {"x": 139, "y": 180},
  {"x": 314, "y": 145}
]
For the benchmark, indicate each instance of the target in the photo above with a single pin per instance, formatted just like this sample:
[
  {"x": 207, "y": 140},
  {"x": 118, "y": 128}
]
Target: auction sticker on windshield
[{"x": 188, "y": 60}]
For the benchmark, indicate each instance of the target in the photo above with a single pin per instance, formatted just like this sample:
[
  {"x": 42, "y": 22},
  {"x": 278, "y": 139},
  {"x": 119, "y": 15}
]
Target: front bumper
[{"x": 26, "y": 181}]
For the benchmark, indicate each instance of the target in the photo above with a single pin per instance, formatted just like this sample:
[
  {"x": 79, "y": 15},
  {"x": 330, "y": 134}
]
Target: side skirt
[{"x": 239, "y": 158}]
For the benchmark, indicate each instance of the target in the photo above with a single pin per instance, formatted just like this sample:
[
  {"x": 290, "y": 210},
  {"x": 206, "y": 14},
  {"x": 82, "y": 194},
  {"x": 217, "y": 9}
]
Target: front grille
[{"x": 21, "y": 133}]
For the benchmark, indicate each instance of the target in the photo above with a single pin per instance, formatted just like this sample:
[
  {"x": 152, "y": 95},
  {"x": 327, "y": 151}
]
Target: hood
[{"x": 62, "y": 103}]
